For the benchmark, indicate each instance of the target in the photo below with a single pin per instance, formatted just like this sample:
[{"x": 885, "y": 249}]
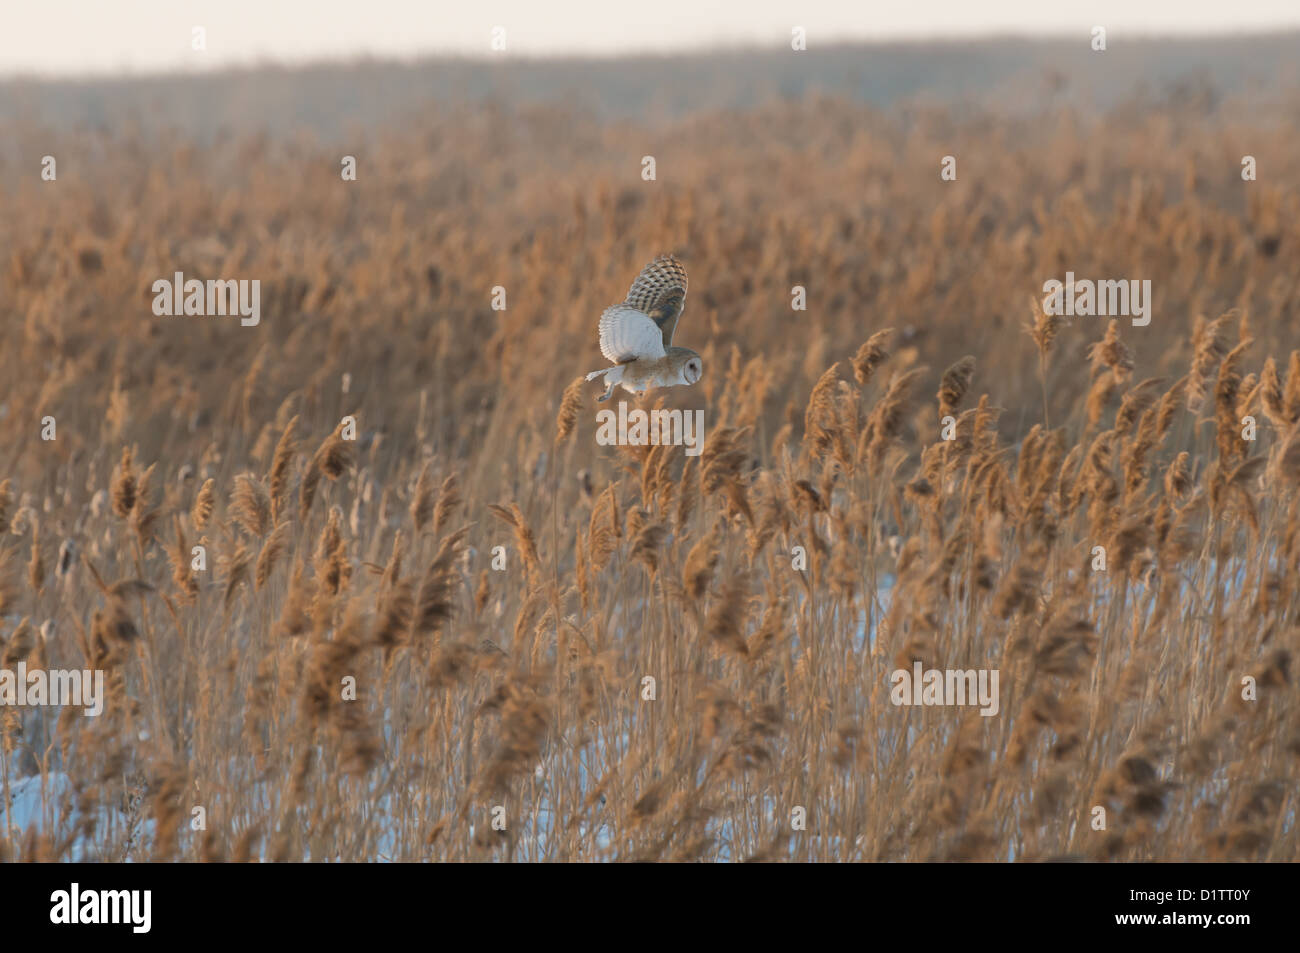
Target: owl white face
[{"x": 692, "y": 370}]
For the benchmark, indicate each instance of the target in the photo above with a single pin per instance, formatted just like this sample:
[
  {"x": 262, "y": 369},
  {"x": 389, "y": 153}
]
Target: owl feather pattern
[{"x": 637, "y": 335}]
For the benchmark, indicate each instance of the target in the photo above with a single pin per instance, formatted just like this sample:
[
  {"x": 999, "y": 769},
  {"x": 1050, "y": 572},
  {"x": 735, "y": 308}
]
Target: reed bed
[{"x": 523, "y": 688}]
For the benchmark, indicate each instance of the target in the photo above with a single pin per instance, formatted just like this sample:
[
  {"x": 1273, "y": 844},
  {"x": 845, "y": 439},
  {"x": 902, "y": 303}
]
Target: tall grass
[{"x": 524, "y": 687}]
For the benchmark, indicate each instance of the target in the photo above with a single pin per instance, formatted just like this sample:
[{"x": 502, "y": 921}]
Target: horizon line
[{"x": 431, "y": 56}]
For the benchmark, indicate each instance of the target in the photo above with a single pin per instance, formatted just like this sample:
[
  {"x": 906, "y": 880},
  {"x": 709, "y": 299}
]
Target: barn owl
[{"x": 637, "y": 335}]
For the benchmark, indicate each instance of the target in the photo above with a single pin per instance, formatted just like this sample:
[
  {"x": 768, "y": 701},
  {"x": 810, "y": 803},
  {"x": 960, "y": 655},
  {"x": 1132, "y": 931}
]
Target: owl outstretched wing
[
  {"x": 660, "y": 292},
  {"x": 627, "y": 334}
]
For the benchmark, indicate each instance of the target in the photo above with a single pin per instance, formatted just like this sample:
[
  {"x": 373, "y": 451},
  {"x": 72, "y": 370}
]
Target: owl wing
[
  {"x": 660, "y": 292},
  {"x": 627, "y": 334}
]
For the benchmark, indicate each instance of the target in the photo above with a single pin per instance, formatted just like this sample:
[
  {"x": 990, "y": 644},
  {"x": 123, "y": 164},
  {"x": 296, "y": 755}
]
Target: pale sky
[{"x": 70, "y": 37}]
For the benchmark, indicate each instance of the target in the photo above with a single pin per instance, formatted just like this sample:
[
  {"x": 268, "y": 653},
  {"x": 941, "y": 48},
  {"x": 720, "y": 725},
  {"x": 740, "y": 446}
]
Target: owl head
[{"x": 688, "y": 365}]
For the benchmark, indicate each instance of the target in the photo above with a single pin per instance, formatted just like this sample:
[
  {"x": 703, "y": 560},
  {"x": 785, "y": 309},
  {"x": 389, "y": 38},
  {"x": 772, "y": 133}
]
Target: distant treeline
[{"x": 1020, "y": 76}]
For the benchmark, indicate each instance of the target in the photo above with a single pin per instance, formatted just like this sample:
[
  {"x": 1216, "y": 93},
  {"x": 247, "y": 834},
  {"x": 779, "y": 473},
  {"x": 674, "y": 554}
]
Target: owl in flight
[{"x": 637, "y": 335}]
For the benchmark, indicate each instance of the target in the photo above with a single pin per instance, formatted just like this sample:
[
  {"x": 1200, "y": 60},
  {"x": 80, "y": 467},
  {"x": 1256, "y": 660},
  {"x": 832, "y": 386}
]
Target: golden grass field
[{"x": 522, "y": 688}]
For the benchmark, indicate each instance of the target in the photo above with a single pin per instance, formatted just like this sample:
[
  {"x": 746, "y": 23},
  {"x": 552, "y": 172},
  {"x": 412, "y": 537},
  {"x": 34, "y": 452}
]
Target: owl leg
[{"x": 611, "y": 379}]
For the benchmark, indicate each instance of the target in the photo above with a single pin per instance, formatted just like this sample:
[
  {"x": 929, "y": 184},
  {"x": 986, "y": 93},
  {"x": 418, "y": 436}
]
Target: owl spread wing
[
  {"x": 627, "y": 334},
  {"x": 660, "y": 292}
]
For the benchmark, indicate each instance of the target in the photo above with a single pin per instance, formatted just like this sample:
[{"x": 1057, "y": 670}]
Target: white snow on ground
[
  {"x": 28, "y": 805},
  {"x": 48, "y": 806}
]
